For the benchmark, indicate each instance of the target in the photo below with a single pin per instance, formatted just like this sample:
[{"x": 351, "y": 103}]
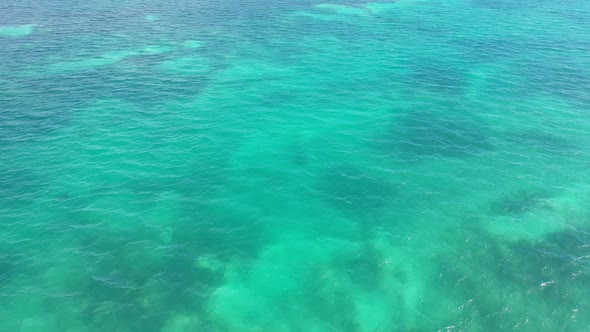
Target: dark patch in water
[
  {"x": 7, "y": 269},
  {"x": 484, "y": 50},
  {"x": 349, "y": 188},
  {"x": 548, "y": 275},
  {"x": 519, "y": 202},
  {"x": 559, "y": 76},
  {"x": 366, "y": 269},
  {"x": 430, "y": 133},
  {"x": 545, "y": 142},
  {"x": 508, "y": 4},
  {"x": 299, "y": 154},
  {"x": 27, "y": 116},
  {"x": 437, "y": 77},
  {"x": 18, "y": 186},
  {"x": 139, "y": 283}
]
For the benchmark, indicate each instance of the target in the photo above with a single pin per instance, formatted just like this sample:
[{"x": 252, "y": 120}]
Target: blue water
[{"x": 255, "y": 165}]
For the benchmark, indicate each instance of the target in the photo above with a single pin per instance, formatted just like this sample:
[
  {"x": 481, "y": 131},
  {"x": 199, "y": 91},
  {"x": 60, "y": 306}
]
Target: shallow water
[{"x": 417, "y": 165}]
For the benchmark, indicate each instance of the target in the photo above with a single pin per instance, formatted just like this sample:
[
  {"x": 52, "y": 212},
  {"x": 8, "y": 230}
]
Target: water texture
[{"x": 256, "y": 165}]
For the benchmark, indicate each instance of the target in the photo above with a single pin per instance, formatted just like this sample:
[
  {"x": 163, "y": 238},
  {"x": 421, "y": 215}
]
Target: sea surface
[{"x": 294, "y": 165}]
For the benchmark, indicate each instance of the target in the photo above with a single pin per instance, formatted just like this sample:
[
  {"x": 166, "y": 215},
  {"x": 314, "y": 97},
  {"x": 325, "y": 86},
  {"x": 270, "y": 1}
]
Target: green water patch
[
  {"x": 342, "y": 9},
  {"x": 193, "y": 185},
  {"x": 156, "y": 49},
  {"x": 558, "y": 76},
  {"x": 102, "y": 60},
  {"x": 510, "y": 274},
  {"x": 7, "y": 268},
  {"x": 299, "y": 153},
  {"x": 92, "y": 142},
  {"x": 222, "y": 235},
  {"x": 520, "y": 201},
  {"x": 19, "y": 186},
  {"x": 152, "y": 17},
  {"x": 556, "y": 288},
  {"x": 186, "y": 66},
  {"x": 348, "y": 13},
  {"x": 251, "y": 70},
  {"x": 116, "y": 275},
  {"x": 183, "y": 322},
  {"x": 351, "y": 189},
  {"x": 24, "y": 119},
  {"x": 81, "y": 65},
  {"x": 17, "y": 31},
  {"x": 546, "y": 142},
  {"x": 507, "y": 5},
  {"x": 320, "y": 17},
  {"x": 368, "y": 8},
  {"x": 272, "y": 284},
  {"x": 60, "y": 270},
  {"x": 276, "y": 187},
  {"x": 487, "y": 50},
  {"x": 437, "y": 77},
  {"x": 13, "y": 262},
  {"x": 430, "y": 133},
  {"x": 193, "y": 44},
  {"x": 381, "y": 8},
  {"x": 531, "y": 215},
  {"x": 487, "y": 79},
  {"x": 252, "y": 179}
]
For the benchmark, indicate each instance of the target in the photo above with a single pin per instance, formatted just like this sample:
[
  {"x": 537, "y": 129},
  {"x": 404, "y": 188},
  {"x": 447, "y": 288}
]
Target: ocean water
[{"x": 257, "y": 165}]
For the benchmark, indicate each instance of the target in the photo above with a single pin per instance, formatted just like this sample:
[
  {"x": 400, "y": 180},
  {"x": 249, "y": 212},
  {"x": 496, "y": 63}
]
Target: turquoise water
[{"x": 419, "y": 165}]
